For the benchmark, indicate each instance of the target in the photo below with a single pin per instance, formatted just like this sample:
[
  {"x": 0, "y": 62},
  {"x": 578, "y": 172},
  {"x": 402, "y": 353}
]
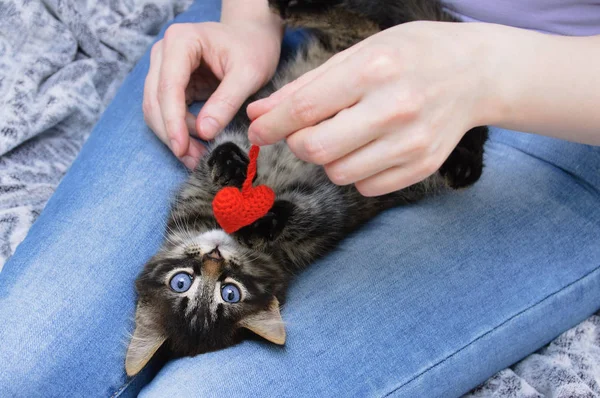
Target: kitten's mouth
[
  {"x": 214, "y": 254},
  {"x": 215, "y": 244}
]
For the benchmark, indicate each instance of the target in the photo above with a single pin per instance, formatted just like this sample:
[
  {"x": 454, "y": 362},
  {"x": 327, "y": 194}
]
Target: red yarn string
[{"x": 253, "y": 155}]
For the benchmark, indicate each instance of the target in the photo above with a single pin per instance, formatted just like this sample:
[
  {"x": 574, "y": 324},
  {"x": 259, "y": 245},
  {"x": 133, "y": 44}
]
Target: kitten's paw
[
  {"x": 228, "y": 165},
  {"x": 462, "y": 168},
  {"x": 269, "y": 227}
]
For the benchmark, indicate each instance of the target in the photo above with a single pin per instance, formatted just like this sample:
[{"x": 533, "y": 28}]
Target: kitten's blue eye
[
  {"x": 181, "y": 282},
  {"x": 230, "y": 293}
]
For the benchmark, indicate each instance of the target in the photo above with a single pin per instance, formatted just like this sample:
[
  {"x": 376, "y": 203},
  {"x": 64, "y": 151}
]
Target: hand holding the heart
[{"x": 387, "y": 112}]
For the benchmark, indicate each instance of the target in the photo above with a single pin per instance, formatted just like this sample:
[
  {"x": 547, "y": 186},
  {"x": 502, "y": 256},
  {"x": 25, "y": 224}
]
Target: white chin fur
[{"x": 216, "y": 238}]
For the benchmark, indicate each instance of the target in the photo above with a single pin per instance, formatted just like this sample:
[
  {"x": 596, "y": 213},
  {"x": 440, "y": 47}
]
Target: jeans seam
[
  {"x": 119, "y": 391},
  {"x": 588, "y": 186},
  {"x": 122, "y": 388},
  {"x": 490, "y": 331}
]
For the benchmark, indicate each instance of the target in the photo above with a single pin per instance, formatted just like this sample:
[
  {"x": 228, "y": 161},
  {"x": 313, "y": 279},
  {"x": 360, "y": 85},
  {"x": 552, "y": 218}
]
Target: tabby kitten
[{"x": 204, "y": 288}]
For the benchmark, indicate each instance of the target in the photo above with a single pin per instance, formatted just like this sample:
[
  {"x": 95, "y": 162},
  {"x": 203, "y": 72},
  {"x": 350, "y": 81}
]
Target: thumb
[{"x": 225, "y": 102}]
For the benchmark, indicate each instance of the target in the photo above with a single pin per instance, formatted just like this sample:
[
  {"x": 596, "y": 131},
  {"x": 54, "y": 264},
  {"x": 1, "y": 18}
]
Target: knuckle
[
  {"x": 302, "y": 110},
  {"x": 174, "y": 31},
  {"x": 314, "y": 151},
  {"x": 156, "y": 47},
  {"x": 147, "y": 109},
  {"x": 165, "y": 86},
  {"x": 394, "y": 150},
  {"x": 380, "y": 65},
  {"x": 226, "y": 101},
  {"x": 420, "y": 142},
  {"x": 408, "y": 103},
  {"x": 402, "y": 106},
  {"x": 170, "y": 126},
  {"x": 381, "y": 121}
]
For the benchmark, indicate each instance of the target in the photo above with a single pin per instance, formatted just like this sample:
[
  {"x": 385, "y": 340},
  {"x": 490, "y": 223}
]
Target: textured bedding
[{"x": 61, "y": 62}]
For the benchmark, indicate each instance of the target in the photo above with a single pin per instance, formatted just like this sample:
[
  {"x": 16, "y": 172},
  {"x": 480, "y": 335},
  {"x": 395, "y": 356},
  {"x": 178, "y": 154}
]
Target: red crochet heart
[{"x": 235, "y": 209}]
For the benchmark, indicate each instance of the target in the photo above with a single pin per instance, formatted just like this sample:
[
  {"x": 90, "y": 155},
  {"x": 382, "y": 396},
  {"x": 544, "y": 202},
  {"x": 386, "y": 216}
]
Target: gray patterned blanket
[{"x": 61, "y": 62}]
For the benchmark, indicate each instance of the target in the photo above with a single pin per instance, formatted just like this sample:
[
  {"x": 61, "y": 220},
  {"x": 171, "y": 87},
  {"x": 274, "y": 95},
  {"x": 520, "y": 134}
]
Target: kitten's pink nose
[{"x": 215, "y": 254}]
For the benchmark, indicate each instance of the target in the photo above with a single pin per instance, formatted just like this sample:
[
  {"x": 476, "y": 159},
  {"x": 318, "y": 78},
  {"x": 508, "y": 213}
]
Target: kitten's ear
[
  {"x": 146, "y": 340},
  {"x": 267, "y": 324}
]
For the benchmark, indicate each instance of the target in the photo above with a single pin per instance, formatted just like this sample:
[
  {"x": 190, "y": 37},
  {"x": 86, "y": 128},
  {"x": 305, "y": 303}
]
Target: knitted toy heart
[{"x": 235, "y": 209}]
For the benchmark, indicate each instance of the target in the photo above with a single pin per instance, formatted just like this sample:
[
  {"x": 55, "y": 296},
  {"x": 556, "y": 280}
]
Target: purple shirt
[{"x": 565, "y": 17}]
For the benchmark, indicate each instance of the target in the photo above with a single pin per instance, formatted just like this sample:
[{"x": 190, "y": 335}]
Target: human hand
[
  {"x": 387, "y": 112},
  {"x": 188, "y": 64}
]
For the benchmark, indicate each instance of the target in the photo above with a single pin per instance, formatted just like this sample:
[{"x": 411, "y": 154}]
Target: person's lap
[
  {"x": 431, "y": 299},
  {"x": 425, "y": 300}
]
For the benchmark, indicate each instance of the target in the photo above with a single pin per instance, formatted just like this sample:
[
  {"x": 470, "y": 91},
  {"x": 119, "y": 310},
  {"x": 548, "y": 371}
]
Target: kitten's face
[{"x": 198, "y": 292}]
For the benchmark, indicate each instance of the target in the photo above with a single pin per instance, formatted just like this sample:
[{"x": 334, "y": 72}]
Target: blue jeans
[{"x": 426, "y": 300}]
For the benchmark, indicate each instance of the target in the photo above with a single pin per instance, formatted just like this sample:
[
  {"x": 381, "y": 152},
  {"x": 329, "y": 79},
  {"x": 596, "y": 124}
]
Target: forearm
[
  {"x": 546, "y": 84},
  {"x": 256, "y": 11}
]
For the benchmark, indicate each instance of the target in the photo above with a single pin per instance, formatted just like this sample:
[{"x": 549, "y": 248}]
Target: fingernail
[
  {"x": 258, "y": 102},
  {"x": 174, "y": 146},
  {"x": 190, "y": 122},
  {"x": 189, "y": 162},
  {"x": 209, "y": 127}
]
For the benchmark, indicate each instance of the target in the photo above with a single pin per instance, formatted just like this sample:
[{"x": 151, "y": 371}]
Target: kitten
[{"x": 204, "y": 288}]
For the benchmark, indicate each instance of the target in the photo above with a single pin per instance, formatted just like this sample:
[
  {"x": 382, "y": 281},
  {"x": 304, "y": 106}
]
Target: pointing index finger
[{"x": 319, "y": 99}]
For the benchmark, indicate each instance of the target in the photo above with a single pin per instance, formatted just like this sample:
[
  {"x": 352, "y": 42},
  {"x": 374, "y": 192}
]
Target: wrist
[
  {"x": 255, "y": 13},
  {"x": 261, "y": 27},
  {"x": 492, "y": 73},
  {"x": 509, "y": 63}
]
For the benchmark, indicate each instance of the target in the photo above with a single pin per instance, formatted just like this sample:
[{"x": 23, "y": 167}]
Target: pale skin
[
  {"x": 387, "y": 112},
  {"x": 223, "y": 63}
]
